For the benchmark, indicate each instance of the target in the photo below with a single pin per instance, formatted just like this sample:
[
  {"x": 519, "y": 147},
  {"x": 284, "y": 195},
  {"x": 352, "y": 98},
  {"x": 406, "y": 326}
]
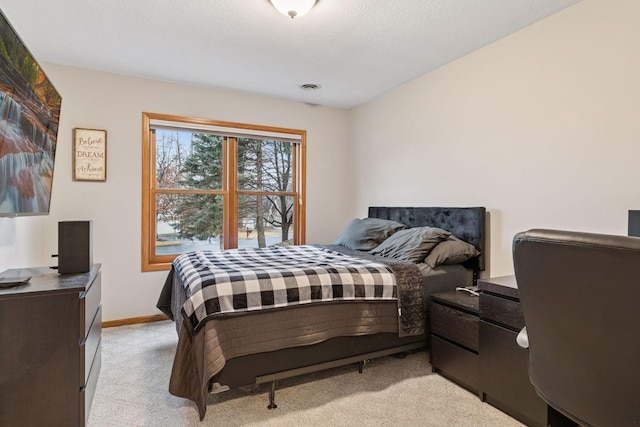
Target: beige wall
[
  {"x": 115, "y": 103},
  {"x": 542, "y": 128}
]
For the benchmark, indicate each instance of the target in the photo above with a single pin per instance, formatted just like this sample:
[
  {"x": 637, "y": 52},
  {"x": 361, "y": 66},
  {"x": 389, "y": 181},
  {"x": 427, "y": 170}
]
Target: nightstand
[{"x": 454, "y": 318}]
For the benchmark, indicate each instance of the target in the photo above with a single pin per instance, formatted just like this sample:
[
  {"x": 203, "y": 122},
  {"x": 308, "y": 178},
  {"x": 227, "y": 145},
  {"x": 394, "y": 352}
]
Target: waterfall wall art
[{"x": 29, "y": 117}]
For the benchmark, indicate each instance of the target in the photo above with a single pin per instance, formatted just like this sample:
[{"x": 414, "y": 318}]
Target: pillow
[
  {"x": 412, "y": 244},
  {"x": 451, "y": 251},
  {"x": 367, "y": 233}
]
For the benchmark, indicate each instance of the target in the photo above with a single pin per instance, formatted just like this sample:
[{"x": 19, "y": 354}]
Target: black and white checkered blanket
[{"x": 244, "y": 280}]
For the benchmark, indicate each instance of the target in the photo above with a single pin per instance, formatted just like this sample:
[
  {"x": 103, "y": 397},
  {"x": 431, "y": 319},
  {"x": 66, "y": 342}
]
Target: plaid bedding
[{"x": 243, "y": 280}]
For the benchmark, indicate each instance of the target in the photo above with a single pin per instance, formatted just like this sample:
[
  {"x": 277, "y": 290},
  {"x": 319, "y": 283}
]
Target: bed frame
[{"x": 467, "y": 224}]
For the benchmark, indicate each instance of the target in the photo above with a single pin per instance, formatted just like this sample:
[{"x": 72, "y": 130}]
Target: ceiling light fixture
[{"x": 293, "y": 8}]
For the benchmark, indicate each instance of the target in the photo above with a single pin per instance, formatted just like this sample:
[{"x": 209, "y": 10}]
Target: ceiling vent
[{"x": 310, "y": 86}]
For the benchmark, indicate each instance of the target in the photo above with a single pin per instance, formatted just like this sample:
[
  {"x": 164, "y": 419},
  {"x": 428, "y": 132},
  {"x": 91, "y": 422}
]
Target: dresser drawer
[
  {"x": 503, "y": 311},
  {"x": 454, "y": 325},
  {"x": 504, "y": 376},
  {"x": 89, "y": 302},
  {"x": 87, "y": 392},
  {"x": 89, "y": 346}
]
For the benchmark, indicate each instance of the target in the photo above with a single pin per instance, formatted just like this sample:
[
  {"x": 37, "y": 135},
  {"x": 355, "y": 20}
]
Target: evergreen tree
[{"x": 200, "y": 216}]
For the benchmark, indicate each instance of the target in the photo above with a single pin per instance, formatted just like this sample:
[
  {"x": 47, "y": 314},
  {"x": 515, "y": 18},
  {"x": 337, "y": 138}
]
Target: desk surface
[{"x": 503, "y": 285}]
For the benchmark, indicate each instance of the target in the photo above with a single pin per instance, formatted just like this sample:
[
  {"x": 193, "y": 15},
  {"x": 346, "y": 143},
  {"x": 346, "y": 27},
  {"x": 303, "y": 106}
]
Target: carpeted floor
[{"x": 133, "y": 391}]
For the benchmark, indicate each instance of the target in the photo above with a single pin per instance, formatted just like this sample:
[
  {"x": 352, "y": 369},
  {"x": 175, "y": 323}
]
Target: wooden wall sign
[{"x": 89, "y": 154}]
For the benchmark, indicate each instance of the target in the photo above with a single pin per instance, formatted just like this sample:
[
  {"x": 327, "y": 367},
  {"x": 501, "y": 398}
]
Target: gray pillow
[
  {"x": 367, "y": 233},
  {"x": 451, "y": 251},
  {"x": 412, "y": 244}
]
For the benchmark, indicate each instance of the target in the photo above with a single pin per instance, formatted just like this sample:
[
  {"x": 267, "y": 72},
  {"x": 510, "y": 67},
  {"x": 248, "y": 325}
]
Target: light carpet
[{"x": 133, "y": 391}]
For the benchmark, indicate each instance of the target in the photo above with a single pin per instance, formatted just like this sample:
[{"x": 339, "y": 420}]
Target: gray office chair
[{"x": 580, "y": 294}]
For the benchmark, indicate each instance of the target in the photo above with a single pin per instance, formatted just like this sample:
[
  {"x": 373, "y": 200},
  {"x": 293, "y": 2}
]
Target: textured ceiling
[{"x": 354, "y": 49}]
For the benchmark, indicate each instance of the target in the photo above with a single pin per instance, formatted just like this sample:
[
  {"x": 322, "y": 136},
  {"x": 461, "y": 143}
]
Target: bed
[{"x": 231, "y": 349}]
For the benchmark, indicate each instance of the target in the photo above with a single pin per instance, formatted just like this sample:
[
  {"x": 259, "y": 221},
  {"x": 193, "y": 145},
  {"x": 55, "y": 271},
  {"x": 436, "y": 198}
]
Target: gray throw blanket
[{"x": 409, "y": 293}]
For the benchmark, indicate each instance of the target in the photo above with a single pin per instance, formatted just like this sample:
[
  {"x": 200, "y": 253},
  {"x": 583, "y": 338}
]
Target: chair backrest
[{"x": 580, "y": 293}]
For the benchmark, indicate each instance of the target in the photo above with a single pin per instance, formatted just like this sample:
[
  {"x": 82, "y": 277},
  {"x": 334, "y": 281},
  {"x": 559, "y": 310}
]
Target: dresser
[
  {"x": 504, "y": 374},
  {"x": 50, "y": 357}
]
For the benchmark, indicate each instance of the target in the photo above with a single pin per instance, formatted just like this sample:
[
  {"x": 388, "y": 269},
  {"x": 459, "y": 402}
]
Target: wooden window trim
[{"x": 153, "y": 262}]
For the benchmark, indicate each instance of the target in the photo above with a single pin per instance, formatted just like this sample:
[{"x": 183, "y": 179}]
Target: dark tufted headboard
[{"x": 468, "y": 224}]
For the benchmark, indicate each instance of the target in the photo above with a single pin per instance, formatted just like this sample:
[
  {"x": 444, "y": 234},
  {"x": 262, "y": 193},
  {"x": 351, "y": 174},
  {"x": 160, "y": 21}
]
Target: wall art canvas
[{"x": 29, "y": 117}]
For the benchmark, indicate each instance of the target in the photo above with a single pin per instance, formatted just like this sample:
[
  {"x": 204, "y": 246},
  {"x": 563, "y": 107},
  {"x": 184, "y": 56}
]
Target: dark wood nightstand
[{"x": 455, "y": 338}]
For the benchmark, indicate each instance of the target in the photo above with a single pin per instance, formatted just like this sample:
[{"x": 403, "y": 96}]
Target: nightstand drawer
[
  {"x": 455, "y": 363},
  {"x": 454, "y": 325}
]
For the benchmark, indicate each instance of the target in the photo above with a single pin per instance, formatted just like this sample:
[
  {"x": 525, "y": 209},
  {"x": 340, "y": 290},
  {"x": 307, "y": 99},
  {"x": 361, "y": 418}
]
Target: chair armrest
[{"x": 523, "y": 339}]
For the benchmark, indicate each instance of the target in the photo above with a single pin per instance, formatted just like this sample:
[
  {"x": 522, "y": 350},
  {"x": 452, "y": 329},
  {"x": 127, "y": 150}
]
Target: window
[{"x": 210, "y": 185}]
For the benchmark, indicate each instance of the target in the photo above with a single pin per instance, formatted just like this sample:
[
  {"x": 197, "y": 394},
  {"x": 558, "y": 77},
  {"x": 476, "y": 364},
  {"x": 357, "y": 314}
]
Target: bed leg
[
  {"x": 361, "y": 365},
  {"x": 272, "y": 396}
]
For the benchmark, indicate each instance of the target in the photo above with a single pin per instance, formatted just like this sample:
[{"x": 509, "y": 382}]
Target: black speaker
[
  {"x": 75, "y": 246},
  {"x": 634, "y": 223}
]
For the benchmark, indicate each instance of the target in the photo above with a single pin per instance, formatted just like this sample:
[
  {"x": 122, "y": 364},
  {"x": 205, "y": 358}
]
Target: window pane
[
  {"x": 188, "y": 222},
  {"x": 187, "y": 160},
  {"x": 265, "y": 165},
  {"x": 265, "y": 221}
]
